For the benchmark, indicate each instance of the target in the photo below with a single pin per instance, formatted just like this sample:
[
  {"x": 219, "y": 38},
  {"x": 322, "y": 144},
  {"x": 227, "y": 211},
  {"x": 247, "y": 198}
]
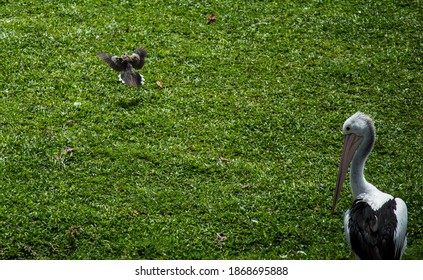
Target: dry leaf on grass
[
  {"x": 138, "y": 213},
  {"x": 221, "y": 237},
  {"x": 64, "y": 152},
  {"x": 67, "y": 150},
  {"x": 223, "y": 159},
  {"x": 159, "y": 84},
  {"x": 211, "y": 19}
]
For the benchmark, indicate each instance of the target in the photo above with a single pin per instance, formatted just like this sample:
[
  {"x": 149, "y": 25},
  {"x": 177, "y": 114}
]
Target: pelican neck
[{"x": 358, "y": 182}]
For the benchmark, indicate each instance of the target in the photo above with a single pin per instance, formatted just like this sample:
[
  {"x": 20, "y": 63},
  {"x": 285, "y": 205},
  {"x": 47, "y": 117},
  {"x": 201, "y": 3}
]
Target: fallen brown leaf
[
  {"x": 221, "y": 237},
  {"x": 211, "y": 19},
  {"x": 223, "y": 159},
  {"x": 67, "y": 150},
  {"x": 159, "y": 83},
  {"x": 71, "y": 123},
  {"x": 138, "y": 213}
]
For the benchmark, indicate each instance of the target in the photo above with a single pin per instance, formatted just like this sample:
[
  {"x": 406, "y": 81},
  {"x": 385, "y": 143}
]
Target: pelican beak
[{"x": 351, "y": 143}]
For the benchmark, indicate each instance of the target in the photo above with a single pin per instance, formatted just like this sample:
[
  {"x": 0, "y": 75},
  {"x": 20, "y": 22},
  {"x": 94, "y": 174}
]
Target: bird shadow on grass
[{"x": 128, "y": 102}]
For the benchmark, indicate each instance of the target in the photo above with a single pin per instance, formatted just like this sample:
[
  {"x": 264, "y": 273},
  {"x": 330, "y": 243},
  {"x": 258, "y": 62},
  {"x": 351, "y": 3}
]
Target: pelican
[{"x": 376, "y": 224}]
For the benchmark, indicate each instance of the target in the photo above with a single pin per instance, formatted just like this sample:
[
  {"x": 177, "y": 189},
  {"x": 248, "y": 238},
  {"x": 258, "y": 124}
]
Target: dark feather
[
  {"x": 130, "y": 77},
  {"x": 117, "y": 63},
  {"x": 139, "y": 58},
  {"x": 372, "y": 232}
]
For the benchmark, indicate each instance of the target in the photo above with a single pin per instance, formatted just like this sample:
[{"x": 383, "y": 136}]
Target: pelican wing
[{"x": 371, "y": 233}]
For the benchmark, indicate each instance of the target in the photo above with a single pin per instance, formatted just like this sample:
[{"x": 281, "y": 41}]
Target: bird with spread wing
[{"x": 126, "y": 65}]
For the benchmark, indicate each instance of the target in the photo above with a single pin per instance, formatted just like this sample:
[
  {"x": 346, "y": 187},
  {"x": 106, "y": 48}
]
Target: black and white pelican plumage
[
  {"x": 375, "y": 226},
  {"x": 126, "y": 65}
]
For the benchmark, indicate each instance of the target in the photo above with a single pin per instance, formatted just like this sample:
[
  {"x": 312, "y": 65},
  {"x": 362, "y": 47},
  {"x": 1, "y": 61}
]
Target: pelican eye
[{"x": 348, "y": 128}]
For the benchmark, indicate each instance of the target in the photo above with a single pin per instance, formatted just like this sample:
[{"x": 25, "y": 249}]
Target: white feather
[{"x": 400, "y": 238}]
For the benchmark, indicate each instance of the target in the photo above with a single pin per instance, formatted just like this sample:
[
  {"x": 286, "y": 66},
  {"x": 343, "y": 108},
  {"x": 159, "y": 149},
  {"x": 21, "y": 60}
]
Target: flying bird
[
  {"x": 126, "y": 65},
  {"x": 376, "y": 224}
]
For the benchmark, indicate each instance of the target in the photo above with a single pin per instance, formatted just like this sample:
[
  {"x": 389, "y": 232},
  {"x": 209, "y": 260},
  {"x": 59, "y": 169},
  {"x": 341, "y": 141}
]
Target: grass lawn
[{"x": 234, "y": 157}]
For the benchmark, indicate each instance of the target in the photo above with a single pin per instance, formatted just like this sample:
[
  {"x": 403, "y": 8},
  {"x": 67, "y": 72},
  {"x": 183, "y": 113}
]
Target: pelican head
[{"x": 357, "y": 128}]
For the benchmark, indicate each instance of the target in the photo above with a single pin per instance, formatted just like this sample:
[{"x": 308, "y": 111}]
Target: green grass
[{"x": 267, "y": 86}]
